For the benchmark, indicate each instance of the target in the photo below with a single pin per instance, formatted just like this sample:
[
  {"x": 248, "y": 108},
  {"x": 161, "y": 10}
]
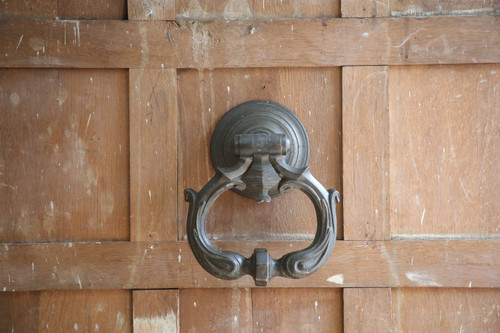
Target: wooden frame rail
[
  {"x": 143, "y": 265},
  {"x": 281, "y": 43}
]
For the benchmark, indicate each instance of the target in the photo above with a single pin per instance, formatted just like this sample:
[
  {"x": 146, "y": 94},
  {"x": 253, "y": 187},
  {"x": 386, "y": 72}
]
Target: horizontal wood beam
[
  {"x": 290, "y": 43},
  {"x": 143, "y": 265}
]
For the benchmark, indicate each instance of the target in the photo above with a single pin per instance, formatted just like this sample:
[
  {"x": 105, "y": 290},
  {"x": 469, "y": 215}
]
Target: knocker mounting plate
[
  {"x": 260, "y": 150},
  {"x": 265, "y": 120}
]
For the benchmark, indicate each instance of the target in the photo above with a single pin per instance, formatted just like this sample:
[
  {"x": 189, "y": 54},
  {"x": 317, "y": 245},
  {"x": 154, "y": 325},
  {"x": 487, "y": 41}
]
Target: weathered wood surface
[
  {"x": 153, "y": 154},
  {"x": 150, "y": 10},
  {"x": 66, "y": 9},
  {"x": 423, "y": 8},
  {"x": 365, "y": 149},
  {"x": 216, "y": 310},
  {"x": 66, "y": 311},
  {"x": 155, "y": 311},
  {"x": 202, "y": 10},
  {"x": 142, "y": 265},
  {"x": 303, "y": 43},
  {"x": 63, "y": 155},
  {"x": 444, "y": 152},
  {"x": 297, "y": 310},
  {"x": 445, "y": 310},
  {"x": 368, "y": 310}
]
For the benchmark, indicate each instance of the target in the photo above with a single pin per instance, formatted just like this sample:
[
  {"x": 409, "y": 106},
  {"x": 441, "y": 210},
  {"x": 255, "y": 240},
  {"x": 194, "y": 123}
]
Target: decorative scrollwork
[
  {"x": 230, "y": 265},
  {"x": 260, "y": 150}
]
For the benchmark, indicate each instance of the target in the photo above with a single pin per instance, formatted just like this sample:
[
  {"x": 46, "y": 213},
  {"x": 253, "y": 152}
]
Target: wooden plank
[
  {"x": 444, "y": 158},
  {"x": 67, "y": 9},
  {"x": 365, "y": 128},
  {"x": 156, "y": 311},
  {"x": 282, "y": 43},
  {"x": 85, "y": 310},
  {"x": 313, "y": 94},
  {"x": 199, "y": 10},
  {"x": 216, "y": 310},
  {"x": 64, "y": 155},
  {"x": 142, "y": 265},
  {"x": 385, "y": 8},
  {"x": 297, "y": 310},
  {"x": 153, "y": 154},
  {"x": 368, "y": 310},
  {"x": 446, "y": 310},
  {"x": 66, "y": 311},
  {"x": 20, "y": 311},
  {"x": 151, "y": 10}
]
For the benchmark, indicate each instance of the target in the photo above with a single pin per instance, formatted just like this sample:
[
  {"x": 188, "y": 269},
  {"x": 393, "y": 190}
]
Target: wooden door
[{"x": 106, "y": 114}]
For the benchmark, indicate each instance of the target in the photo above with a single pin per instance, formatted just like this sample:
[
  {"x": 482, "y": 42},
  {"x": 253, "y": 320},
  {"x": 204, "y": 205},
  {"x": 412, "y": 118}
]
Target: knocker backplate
[{"x": 259, "y": 117}]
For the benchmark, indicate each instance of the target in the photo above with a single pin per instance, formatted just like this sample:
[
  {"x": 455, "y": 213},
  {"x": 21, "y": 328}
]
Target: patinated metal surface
[{"x": 260, "y": 150}]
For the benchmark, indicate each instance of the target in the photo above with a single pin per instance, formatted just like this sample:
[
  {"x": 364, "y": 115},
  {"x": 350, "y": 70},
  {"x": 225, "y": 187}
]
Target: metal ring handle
[
  {"x": 260, "y": 150},
  {"x": 261, "y": 266}
]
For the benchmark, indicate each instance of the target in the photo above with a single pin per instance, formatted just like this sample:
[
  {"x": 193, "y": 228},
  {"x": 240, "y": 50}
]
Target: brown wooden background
[{"x": 106, "y": 114}]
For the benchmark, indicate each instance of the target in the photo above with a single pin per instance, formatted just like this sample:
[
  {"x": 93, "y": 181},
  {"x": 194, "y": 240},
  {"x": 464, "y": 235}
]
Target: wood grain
[
  {"x": 63, "y": 9},
  {"x": 216, "y": 310},
  {"x": 365, "y": 128},
  {"x": 64, "y": 155},
  {"x": 205, "y": 96},
  {"x": 202, "y": 10},
  {"x": 156, "y": 311},
  {"x": 368, "y": 310},
  {"x": 20, "y": 311},
  {"x": 66, "y": 311},
  {"x": 281, "y": 43},
  {"x": 297, "y": 310},
  {"x": 446, "y": 310},
  {"x": 444, "y": 123},
  {"x": 385, "y": 8},
  {"x": 151, "y": 9},
  {"x": 142, "y": 265},
  {"x": 153, "y": 154}
]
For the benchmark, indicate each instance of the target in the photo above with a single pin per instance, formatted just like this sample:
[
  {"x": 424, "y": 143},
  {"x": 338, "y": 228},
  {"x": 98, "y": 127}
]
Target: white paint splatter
[
  {"x": 168, "y": 323},
  {"x": 338, "y": 279},
  {"x": 19, "y": 43},
  {"x": 422, "y": 279},
  {"x": 422, "y": 218}
]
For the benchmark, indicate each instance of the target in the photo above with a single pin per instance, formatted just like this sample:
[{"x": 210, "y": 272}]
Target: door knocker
[{"x": 260, "y": 150}]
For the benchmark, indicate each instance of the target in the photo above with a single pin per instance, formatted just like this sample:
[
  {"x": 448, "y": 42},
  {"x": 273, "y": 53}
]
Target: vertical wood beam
[
  {"x": 368, "y": 310},
  {"x": 153, "y": 154},
  {"x": 151, "y": 10},
  {"x": 365, "y": 128},
  {"x": 156, "y": 311},
  {"x": 153, "y": 139}
]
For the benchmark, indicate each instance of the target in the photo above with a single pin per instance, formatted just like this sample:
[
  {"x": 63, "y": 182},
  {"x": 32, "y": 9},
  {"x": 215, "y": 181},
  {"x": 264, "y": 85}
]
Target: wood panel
[
  {"x": 20, "y": 311},
  {"x": 216, "y": 310},
  {"x": 205, "y": 96},
  {"x": 444, "y": 123},
  {"x": 64, "y": 155},
  {"x": 365, "y": 128},
  {"x": 66, "y": 311},
  {"x": 446, "y": 310},
  {"x": 281, "y": 43},
  {"x": 63, "y": 9},
  {"x": 368, "y": 310},
  {"x": 297, "y": 310},
  {"x": 384, "y": 8},
  {"x": 151, "y": 9},
  {"x": 203, "y": 10},
  {"x": 153, "y": 154},
  {"x": 156, "y": 311},
  {"x": 143, "y": 265}
]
